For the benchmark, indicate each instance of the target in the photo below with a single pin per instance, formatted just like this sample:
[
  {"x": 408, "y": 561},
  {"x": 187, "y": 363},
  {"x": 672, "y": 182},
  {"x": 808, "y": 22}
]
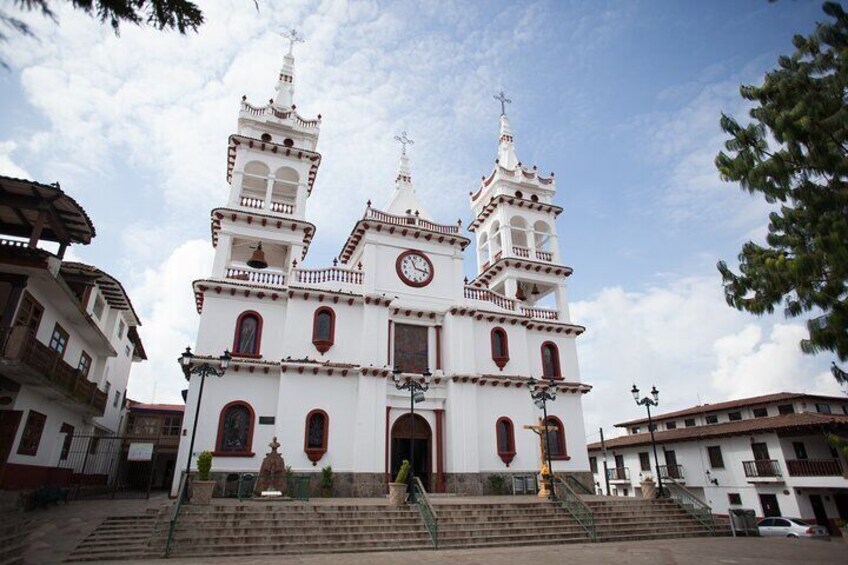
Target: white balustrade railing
[
  {"x": 260, "y": 277},
  {"x": 519, "y": 251},
  {"x": 330, "y": 274},
  {"x": 251, "y": 202},
  {"x": 540, "y": 313},
  {"x": 410, "y": 220},
  {"x": 486, "y": 295},
  {"x": 282, "y": 207},
  {"x": 544, "y": 256}
]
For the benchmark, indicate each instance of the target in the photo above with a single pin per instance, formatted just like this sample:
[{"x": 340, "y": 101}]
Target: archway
[{"x": 422, "y": 438}]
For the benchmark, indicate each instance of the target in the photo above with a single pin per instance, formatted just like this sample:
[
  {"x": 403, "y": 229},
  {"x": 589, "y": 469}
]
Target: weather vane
[
  {"x": 294, "y": 37},
  {"x": 403, "y": 140},
  {"x": 501, "y": 97}
]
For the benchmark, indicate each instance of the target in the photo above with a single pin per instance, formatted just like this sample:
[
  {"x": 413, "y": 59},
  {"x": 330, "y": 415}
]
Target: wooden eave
[
  {"x": 110, "y": 287},
  {"x": 410, "y": 232},
  {"x": 236, "y": 141}
]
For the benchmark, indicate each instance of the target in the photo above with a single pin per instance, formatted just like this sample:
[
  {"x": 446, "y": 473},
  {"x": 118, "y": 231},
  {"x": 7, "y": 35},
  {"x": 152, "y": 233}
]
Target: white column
[
  {"x": 269, "y": 191},
  {"x": 300, "y": 200},
  {"x": 235, "y": 188}
]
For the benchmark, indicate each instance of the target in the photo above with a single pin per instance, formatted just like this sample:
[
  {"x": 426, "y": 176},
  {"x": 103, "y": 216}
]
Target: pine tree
[{"x": 794, "y": 152}]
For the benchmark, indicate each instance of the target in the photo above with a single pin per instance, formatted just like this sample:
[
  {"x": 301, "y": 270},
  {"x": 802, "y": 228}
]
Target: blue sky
[{"x": 620, "y": 99}]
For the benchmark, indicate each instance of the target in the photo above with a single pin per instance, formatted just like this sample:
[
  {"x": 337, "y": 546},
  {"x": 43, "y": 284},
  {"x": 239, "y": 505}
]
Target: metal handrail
[
  {"x": 684, "y": 498},
  {"x": 425, "y": 508},
  {"x": 574, "y": 505},
  {"x": 577, "y": 485},
  {"x": 175, "y": 514}
]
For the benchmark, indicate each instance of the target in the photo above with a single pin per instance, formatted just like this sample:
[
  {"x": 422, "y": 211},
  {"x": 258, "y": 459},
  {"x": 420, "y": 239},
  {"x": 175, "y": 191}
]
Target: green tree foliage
[
  {"x": 204, "y": 466},
  {"x": 794, "y": 152}
]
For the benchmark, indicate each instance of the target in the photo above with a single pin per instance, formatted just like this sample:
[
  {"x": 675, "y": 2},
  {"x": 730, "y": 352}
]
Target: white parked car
[{"x": 792, "y": 528}]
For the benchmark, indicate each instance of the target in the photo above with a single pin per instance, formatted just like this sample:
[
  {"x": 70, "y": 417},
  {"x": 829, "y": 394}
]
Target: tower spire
[
  {"x": 404, "y": 200},
  {"x": 506, "y": 148},
  {"x": 285, "y": 84}
]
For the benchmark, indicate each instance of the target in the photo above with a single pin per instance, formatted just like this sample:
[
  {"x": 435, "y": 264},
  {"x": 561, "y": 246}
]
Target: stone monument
[{"x": 271, "y": 482}]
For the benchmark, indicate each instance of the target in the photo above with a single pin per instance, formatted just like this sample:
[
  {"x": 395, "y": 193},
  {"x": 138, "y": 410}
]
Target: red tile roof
[
  {"x": 710, "y": 408},
  {"x": 804, "y": 421},
  {"x": 157, "y": 407}
]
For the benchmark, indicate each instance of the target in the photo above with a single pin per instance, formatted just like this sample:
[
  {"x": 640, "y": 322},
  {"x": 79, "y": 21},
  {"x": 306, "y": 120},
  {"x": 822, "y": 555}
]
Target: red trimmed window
[
  {"x": 506, "y": 439},
  {"x": 557, "y": 439},
  {"x": 315, "y": 436},
  {"x": 248, "y": 334},
  {"x": 235, "y": 430},
  {"x": 550, "y": 361},
  {"x": 323, "y": 329},
  {"x": 500, "y": 347}
]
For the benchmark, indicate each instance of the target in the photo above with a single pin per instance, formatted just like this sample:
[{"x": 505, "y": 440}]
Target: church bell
[
  {"x": 534, "y": 292},
  {"x": 519, "y": 294},
  {"x": 257, "y": 260}
]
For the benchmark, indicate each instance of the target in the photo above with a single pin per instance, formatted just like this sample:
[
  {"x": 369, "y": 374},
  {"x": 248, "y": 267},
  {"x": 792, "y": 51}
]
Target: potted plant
[
  {"x": 326, "y": 481},
  {"x": 202, "y": 485},
  {"x": 397, "y": 489}
]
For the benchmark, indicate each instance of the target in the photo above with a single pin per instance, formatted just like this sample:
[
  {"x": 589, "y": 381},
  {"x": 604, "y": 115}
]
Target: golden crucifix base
[{"x": 544, "y": 483}]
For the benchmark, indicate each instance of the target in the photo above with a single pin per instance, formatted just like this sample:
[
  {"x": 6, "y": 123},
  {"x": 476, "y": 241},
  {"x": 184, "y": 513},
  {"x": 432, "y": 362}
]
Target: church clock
[{"x": 414, "y": 268}]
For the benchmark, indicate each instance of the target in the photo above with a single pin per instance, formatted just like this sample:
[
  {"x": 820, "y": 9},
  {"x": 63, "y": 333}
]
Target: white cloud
[
  {"x": 683, "y": 338},
  {"x": 7, "y": 166}
]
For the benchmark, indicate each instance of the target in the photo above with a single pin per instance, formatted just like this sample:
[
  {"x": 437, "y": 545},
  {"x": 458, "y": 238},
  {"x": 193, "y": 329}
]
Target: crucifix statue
[
  {"x": 294, "y": 37},
  {"x": 501, "y": 97},
  {"x": 544, "y": 471},
  {"x": 403, "y": 140}
]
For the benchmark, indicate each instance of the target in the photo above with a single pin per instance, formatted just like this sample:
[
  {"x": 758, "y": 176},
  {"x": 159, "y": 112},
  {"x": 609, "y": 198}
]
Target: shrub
[
  {"x": 403, "y": 472},
  {"x": 497, "y": 482},
  {"x": 204, "y": 466},
  {"x": 327, "y": 480}
]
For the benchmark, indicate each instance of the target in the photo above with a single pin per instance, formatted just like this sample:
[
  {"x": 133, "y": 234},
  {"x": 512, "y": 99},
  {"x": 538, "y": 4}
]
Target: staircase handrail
[
  {"x": 577, "y": 485},
  {"x": 175, "y": 513},
  {"x": 571, "y": 502},
  {"x": 689, "y": 502},
  {"x": 425, "y": 508}
]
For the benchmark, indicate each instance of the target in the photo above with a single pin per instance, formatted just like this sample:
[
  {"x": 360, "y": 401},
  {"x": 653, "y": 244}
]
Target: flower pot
[
  {"x": 201, "y": 492},
  {"x": 649, "y": 488},
  {"x": 397, "y": 493}
]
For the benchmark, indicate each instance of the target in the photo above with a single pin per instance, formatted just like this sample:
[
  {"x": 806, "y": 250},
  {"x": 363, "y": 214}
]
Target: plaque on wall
[{"x": 266, "y": 420}]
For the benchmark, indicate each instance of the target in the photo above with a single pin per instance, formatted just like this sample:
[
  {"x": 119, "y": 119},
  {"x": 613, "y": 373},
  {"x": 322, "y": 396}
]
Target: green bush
[
  {"x": 403, "y": 472},
  {"x": 497, "y": 482},
  {"x": 204, "y": 466},
  {"x": 327, "y": 480}
]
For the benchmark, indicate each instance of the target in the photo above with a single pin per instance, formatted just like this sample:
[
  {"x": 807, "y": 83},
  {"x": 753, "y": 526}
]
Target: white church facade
[{"x": 314, "y": 350}]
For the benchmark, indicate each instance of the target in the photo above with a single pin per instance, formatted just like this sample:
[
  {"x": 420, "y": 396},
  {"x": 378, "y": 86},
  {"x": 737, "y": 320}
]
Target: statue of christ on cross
[{"x": 544, "y": 470}]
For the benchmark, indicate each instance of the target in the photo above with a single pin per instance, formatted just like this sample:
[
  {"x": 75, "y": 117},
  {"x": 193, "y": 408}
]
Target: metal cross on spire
[
  {"x": 501, "y": 97},
  {"x": 403, "y": 140},
  {"x": 294, "y": 37}
]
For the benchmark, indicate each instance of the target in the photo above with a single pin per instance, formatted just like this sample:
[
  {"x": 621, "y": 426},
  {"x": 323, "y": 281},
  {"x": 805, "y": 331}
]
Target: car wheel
[{"x": 794, "y": 536}]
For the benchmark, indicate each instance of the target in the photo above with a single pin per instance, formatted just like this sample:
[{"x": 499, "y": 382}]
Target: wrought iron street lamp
[
  {"x": 647, "y": 403},
  {"x": 204, "y": 370},
  {"x": 541, "y": 396},
  {"x": 416, "y": 394}
]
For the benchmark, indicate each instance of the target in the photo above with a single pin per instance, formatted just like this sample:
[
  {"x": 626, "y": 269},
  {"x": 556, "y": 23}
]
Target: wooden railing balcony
[
  {"x": 412, "y": 220},
  {"x": 49, "y": 368},
  {"x": 330, "y": 274},
  {"x": 762, "y": 468},
  {"x": 619, "y": 474},
  {"x": 814, "y": 467},
  {"x": 255, "y": 276},
  {"x": 671, "y": 471}
]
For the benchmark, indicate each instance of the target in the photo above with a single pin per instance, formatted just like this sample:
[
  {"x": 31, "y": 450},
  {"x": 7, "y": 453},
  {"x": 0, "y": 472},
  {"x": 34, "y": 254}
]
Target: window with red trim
[
  {"x": 248, "y": 335},
  {"x": 550, "y": 361},
  {"x": 323, "y": 328},
  {"x": 315, "y": 435},
  {"x": 235, "y": 430},
  {"x": 506, "y": 439},
  {"x": 500, "y": 347},
  {"x": 557, "y": 438}
]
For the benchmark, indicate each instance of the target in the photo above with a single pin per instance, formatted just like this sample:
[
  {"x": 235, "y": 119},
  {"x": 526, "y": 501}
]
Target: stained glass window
[
  {"x": 316, "y": 431},
  {"x": 236, "y": 429}
]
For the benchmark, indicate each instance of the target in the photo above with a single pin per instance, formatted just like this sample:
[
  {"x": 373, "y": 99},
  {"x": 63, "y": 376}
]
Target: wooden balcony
[
  {"x": 762, "y": 469},
  {"x": 814, "y": 467},
  {"x": 28, "y": 361},
  {"x": 619, "y": 474},
  {"x": 672, "y": 472}
]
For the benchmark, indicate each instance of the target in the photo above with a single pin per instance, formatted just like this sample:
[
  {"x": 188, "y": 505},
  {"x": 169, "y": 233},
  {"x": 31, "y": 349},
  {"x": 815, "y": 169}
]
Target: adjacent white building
[
  {"x": 68, "y": 339},
  {"x": 768, "y": 453},
  {"x": 314, "y": 348}
]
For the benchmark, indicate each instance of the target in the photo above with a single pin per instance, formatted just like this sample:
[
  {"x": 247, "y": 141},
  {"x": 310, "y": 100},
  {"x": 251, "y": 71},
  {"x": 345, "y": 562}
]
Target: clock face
[{"x": 414, "y": 268}]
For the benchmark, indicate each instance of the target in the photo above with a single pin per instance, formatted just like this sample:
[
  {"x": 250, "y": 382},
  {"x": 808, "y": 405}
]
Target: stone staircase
[
  {"x": 122, "y": 537},
  {"x": 278, "y": 528},
  {"x": 13, "y": 542},
  {"x": 631, "y": 519},
  {"x": 511, "y": 522}
]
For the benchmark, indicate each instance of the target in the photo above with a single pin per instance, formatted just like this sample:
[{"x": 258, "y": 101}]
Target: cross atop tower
[
  {"x": 501, "y": 97},
  {"x": 294, "y": 37},
  {"x": 403, "y": 140}
]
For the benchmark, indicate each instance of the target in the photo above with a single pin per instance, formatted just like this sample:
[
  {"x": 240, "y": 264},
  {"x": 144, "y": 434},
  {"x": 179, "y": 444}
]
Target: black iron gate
[{"x": 102, "y": 466}]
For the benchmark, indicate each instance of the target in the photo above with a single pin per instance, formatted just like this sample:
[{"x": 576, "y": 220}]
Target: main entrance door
[
  {"x": 770, "y": 506},
  {"x": 421, "y": 444}
]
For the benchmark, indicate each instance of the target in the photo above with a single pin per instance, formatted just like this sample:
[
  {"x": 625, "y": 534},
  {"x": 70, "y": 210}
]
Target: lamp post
[
  {"x": 540, "y": 398},
  {"x": 204, "y": 370},
  {"x": 416, "y": 394},
  {"x": 647, "y": 403}
]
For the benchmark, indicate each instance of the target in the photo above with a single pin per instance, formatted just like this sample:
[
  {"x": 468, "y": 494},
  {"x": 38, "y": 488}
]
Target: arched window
[
  {"x": 248, "y": 334},
  {"x": 235, "y": 430},
  {"x": 557, "y": 438},
  {"x": 506, "y": 439},
  {"x": 500, "y": 348},
  {"x": 550, "y": 361},
  {"x": 323, "y": 328},
  {"x": 315, "y": 436}
]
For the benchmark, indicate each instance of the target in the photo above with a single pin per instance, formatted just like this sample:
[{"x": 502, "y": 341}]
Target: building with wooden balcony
[
  {"x": 770, "y": 453},
  {"x": 68, "y": 336},
  {"x": 158, "y": 428}
]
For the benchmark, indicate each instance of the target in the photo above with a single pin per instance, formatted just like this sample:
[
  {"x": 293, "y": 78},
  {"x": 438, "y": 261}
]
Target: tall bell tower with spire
[{"x": 515, "y": 222}]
